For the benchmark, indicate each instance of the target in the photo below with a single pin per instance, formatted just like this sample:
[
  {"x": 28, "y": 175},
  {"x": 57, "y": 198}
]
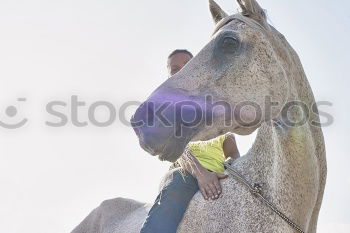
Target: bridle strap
[{"x": 249, "y": 21}]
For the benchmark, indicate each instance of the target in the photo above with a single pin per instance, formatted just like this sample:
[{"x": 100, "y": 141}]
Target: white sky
[{"x": 51, "y": 178}]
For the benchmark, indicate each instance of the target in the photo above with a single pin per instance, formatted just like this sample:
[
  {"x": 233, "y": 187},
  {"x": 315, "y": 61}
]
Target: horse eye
[{"x": 230, "y": 44}]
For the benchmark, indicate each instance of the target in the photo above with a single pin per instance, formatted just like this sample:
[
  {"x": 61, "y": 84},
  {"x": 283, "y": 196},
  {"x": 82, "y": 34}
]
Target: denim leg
[{"x": 171, "y": 204}]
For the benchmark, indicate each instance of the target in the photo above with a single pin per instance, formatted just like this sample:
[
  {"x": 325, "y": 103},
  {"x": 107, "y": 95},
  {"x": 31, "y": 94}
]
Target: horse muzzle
[{"x": 167, "y": 121}]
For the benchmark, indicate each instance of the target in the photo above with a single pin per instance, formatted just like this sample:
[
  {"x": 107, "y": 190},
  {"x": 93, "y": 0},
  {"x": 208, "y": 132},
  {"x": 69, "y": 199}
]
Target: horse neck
[
  {"x": 290, "y": 163},
  {"x": 287, "y": 163},
  {"x": 281, "y": 150}
]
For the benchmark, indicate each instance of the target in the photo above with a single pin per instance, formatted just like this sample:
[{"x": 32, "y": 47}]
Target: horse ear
[
  {"x": 217, "y": 13},
  {"x": 252, "y": 9}
]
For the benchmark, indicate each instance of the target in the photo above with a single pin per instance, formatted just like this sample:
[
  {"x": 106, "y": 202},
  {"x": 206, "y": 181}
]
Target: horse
[{"x": 247, "y": 78}]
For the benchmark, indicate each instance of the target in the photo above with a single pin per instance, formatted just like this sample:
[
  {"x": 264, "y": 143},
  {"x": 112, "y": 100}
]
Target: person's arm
[
  {"x": 208, "y": 181},
  {"x": 230, "y": 147}
]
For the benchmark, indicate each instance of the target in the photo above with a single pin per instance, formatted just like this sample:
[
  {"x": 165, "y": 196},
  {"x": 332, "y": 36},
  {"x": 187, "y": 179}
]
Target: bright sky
[{"x": 51, "y": 178}]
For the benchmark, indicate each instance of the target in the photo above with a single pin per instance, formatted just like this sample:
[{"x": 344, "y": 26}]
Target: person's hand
[{"x": 209, "y": 184}]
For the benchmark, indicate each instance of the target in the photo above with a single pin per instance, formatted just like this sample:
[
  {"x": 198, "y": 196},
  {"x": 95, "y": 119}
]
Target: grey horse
[{"x": 247, "y": 61}]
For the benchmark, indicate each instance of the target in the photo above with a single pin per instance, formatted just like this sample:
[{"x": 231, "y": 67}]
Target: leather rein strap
[{"x": 256, "y": 190}]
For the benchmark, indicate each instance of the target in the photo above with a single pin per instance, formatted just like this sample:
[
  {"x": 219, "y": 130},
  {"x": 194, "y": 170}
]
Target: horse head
[{"x": 238, "y": 81}]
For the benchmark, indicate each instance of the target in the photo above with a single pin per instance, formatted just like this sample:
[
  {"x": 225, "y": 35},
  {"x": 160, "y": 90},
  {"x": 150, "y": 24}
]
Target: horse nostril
[
  {"x": 136, "y": 122},
  {"x": 136, "y": 129}
]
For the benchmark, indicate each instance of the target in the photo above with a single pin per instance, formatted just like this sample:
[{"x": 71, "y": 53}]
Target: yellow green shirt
[{"x": 210, "y": 154}]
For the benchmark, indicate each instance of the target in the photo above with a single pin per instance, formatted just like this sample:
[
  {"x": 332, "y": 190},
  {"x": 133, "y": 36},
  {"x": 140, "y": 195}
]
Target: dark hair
[{"x": 180, "y": 51}]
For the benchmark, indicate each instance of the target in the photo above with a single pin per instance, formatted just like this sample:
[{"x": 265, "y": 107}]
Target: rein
[{"x": 256, "y": 189}]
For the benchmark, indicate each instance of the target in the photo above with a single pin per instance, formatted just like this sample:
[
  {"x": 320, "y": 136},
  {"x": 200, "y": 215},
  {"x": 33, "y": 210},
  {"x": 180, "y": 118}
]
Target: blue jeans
[{"x": 171, "y": 203}]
